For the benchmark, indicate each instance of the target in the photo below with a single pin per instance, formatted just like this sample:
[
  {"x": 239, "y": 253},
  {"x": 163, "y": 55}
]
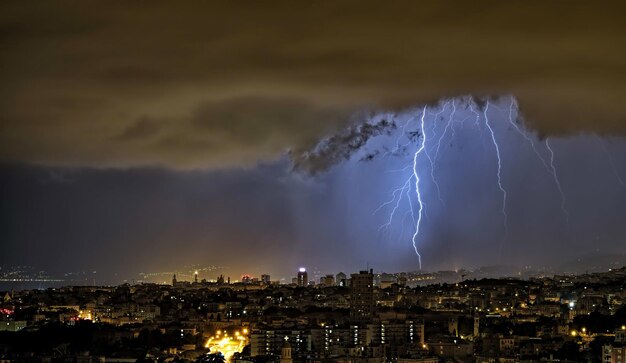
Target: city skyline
[
  {"x": 436, "y": 137},
  {"x": 345, "y": 181}
]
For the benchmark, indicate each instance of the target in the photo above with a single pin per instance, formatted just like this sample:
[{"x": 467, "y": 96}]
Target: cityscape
[
  {"x": 355, "y": 317},
  {"x": 345, "y": 181}
]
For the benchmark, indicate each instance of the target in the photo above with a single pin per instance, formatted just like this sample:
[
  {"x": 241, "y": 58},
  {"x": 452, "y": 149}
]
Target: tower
[
  {"x": 476, "y": 326},
  {"x": 303, "y": 277},
  {"x": 195, "y": 277},
  {"x": 285, "y": 352},
  {"x": 174, "y": 280},
  {"x": 362, "y": 296}
]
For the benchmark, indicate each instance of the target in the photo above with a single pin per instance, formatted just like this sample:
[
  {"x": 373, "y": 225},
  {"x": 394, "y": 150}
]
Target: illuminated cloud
[{"x": 201, "y": 84}]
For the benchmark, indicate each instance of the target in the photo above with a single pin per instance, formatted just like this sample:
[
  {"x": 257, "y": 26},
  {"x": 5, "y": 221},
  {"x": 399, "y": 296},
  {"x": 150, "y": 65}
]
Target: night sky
[{"x": 262, "y": 137}]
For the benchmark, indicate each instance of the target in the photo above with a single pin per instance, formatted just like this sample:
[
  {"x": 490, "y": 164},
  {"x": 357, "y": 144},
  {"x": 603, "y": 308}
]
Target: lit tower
[
  {"x": 303, "y": 277},
  {"x": 285, "y": 352}
]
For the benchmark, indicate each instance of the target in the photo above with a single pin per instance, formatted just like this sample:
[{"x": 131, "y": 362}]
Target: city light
[{"x": 226, "y": 345}]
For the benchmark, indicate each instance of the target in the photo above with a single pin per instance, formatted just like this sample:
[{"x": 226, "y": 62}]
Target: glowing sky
[{"x": 140, "y": 137}]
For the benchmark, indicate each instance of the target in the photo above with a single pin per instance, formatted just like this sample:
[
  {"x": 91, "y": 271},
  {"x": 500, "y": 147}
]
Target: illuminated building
[
  {"x": 362, "y": 296},
  {"x": 285, "y": 352},
  {"x": 303, "y": 277}
]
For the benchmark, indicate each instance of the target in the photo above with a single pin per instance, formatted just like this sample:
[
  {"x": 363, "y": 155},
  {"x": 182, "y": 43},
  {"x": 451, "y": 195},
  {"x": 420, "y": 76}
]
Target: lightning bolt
[
  {"x": 556, "y": 180},
  {"x": 611, "y": 161},
  {"x": 512, "y": 106},
  {"x": 430, "y": 159},
  {"x": 399, "y": 191},
  {"x": 417, "y": 189},
  {"x": 417, "y": 206},
  {"x": 472, "y": 103},
  {"x": 445, "y": 131},
  {"x": 499, "y": 174},
  {"x": 550, "y": 168}
]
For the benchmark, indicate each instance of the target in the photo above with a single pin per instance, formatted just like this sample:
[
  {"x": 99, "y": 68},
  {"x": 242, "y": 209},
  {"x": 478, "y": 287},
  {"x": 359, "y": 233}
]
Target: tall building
[
  {"x": 362, "y": 296},
  {"x": 303, "y": 277},
  {"x": 265, "y": 279}
]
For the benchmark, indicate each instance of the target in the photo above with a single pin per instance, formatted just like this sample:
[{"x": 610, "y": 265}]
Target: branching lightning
[
  {"x": 556, "y": 180},
  {"x": 512, "y": 106},
  {"x": 611, "y": 161},
  {"x": 417, "y": 189},
  {"x": 550, "y": 168},
  {"x": 414, "y": 132},
  {"x": 497, "y": 147}
]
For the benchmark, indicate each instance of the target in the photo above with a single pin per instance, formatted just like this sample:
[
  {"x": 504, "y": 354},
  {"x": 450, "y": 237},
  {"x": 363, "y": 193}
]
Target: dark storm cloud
[
  {"x": 341, "y": 146},
  {"x": 232, "y": 83}
]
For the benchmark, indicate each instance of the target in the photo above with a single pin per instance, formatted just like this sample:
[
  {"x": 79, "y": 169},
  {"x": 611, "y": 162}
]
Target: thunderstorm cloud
[
  {"x": 205, "y": 84},
  {"x": 341, "y": 146}
]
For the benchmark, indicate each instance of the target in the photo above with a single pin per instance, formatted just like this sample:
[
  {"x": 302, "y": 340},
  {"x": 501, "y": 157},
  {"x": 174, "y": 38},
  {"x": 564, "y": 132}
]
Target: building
[
  {"x": 613, "y": 354},
  {"x": 362, "y": 296},
  {"x": 285, "y": 353},
  {"x": 12, "y": 325},
  {"x": 265, "y": 279},
  {"x": 328, "y": 280},
  {"x": 616, "y": 352},
  {"x": 303, "y": 277},
  {"x": 341, "y": 279}
]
